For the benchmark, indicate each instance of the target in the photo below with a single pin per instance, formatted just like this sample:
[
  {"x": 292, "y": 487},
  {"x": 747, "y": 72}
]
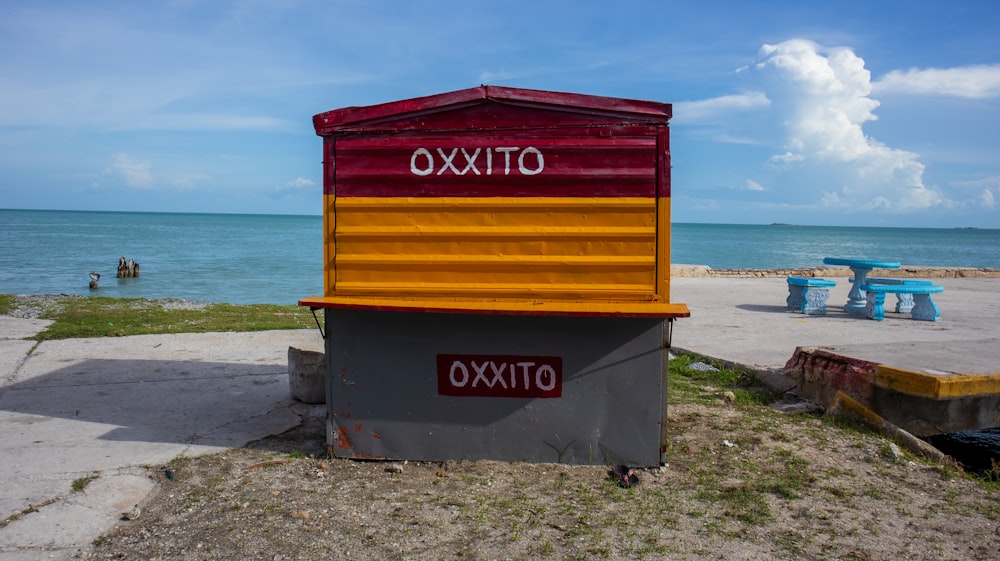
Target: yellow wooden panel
[
  {"x": 539, "y": 247},
  {"x": 502, "y": 306},
  {"x": 663, "y": 248}
]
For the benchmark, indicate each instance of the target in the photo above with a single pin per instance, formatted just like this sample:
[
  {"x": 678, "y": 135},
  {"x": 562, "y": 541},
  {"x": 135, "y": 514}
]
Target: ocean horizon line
[
  {"x": 162, "y": 212},
  {"x": 320, "y": 215}
]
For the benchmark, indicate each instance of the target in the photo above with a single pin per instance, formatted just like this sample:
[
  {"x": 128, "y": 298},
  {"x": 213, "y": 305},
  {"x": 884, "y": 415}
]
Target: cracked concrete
[{"x": 105, "y": 408}]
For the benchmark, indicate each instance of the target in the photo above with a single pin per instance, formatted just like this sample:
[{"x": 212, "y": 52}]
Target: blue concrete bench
[
  {"x": 808, "y": 295},
  {"x": 924, "y": 307},
  {"x": 904, "y": 300}
]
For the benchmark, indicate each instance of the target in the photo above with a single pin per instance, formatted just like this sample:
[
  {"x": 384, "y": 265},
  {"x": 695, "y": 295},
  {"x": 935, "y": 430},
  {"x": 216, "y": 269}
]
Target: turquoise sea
[{"x": 243, "y": 259}]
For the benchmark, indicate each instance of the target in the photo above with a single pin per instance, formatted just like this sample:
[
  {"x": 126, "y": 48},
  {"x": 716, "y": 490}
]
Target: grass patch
[
  {"x": 991, "y": 478},
  {"x": 686, "y": 384},
  {"x": 80, "y": 483},
  {"x": 116, "y": 317},
  {"x": 851, "y": 424},
  {"x": 725, "y": 479},
  {"x": 6, "y": 304}
]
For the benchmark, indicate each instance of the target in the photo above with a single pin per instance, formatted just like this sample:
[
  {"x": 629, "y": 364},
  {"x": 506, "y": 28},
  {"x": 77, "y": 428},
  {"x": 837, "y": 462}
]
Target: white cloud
[
  {"x": 728, "y": 138},
  {"x": 300, "y": 183},
  {"x": 752, "y": 185},
  {"x": 136, "y": 173},
  {"x": 974, "y": 82},
  {"x": 785, "y": 160},
  {"x": 187, "y": 181},
  {"x": 987, "y": 199},
  {"x": 687, "y": 112},
  {"x": 294, "y": 188},
  {"x": 986, "y": 190},
  {"x": 823, "y": 98}
]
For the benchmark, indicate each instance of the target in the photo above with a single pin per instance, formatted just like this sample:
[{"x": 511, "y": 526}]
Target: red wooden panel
[{"x": 525, "y": 163}]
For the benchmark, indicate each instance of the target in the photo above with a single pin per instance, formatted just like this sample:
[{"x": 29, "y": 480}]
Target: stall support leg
[
  {"x": 328, "y": 347},
  {"x": 668, "y": 333},
  {"x": 316, "y": 319}
]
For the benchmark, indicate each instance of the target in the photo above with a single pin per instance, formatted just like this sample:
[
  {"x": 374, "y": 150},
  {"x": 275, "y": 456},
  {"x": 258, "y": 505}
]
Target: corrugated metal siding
[
  {"x": 567, "y": 213},
  {"x": 603, "y": 248},
  {"x": 581, "y": 162}
]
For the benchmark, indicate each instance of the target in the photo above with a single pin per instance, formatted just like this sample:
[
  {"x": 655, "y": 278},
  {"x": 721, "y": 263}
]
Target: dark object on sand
[{"x": 624, "y": 476}]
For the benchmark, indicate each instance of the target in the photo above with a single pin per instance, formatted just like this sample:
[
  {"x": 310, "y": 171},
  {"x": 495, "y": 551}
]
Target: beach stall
[{"x": 497, "y": 277}]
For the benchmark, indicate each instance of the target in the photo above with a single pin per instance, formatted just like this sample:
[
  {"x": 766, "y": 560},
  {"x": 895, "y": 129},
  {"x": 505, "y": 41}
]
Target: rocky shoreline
[
  {"x": 31, "y": 306},
  {"x": 679, "y": 270}
]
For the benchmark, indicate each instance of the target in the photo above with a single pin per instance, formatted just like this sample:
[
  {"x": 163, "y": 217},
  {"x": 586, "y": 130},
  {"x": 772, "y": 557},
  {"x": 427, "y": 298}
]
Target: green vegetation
[
  {"x": 741, "y": 487},
  {"x": 75, "y": 316},
  {"x": 688, "y": 385},
  {"x": 80, "y": 483},
  {"x": 733, "y": 483},
  {"x": 6, "y": 303}
]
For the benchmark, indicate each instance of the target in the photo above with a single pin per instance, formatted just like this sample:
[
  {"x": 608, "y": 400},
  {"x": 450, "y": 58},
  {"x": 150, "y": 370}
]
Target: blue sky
[{"x": 836, "y": 113}]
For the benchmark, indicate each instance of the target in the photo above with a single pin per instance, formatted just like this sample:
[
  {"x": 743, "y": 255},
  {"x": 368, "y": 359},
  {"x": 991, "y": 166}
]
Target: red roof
[{"x": 562, "y": 108}]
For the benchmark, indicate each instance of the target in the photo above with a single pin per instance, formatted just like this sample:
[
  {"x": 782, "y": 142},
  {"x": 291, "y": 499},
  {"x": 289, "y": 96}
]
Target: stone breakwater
[{"x": 823, "y": 272}]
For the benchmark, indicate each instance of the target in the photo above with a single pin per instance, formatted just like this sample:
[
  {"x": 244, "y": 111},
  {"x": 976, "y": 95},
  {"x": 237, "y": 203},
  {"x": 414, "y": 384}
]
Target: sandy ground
[{"x": 742, "y": 482}]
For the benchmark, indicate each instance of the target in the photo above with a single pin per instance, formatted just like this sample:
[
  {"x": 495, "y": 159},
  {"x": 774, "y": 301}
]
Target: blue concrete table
[{"x": 856, "y": 301}]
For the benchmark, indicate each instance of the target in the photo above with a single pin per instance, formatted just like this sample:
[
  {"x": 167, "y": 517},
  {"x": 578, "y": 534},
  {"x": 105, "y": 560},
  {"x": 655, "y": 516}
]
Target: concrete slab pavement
[
  {"x": 745, "y": 321},
  {"x": 79, "y": 408},
  {"x": 13, "y": 346}
]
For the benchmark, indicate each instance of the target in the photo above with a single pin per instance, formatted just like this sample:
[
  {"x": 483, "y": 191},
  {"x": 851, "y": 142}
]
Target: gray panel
[{"x": 383, "y": 396}]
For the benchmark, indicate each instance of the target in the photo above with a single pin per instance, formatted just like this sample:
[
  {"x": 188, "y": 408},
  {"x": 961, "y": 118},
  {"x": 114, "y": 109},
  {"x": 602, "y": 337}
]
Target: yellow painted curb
[
  {"x": 845, "y": 403},
  {"x": 936, "y": 386}
]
